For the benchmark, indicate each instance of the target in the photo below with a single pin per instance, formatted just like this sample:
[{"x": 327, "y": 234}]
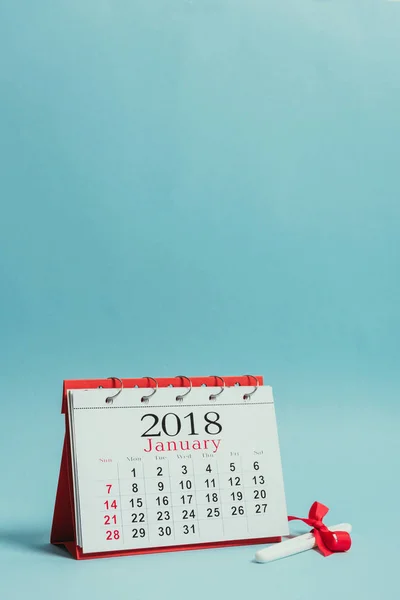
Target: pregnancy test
[{"x": 294, "y": 545}]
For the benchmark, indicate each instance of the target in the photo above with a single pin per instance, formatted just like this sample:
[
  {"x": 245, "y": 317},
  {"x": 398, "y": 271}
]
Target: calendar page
[{"x": 167, "y": 471}]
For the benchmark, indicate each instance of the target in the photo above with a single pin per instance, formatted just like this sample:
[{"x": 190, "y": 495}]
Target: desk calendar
[{"x": 170, "y": 464}]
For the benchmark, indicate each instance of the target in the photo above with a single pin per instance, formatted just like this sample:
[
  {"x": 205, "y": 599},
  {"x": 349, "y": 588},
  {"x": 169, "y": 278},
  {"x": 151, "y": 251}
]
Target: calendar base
[{"x": 77, "y": 553}]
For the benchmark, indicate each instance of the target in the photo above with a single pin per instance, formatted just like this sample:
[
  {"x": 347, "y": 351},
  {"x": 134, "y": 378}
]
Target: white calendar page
[{"x": 168, "y": 472}]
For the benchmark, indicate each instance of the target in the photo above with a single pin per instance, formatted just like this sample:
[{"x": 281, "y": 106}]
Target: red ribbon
[{"x": 327, "y": 541}]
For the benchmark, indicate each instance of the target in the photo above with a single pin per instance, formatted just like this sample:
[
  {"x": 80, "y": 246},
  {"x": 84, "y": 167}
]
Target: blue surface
[{"x": 197, "y": 187}]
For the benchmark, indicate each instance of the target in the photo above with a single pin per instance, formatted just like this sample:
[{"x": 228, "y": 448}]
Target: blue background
[{"x": 196, "y": 187}]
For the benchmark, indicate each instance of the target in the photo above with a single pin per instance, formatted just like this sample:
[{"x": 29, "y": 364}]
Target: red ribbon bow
[{"x": 327, "y": 541}]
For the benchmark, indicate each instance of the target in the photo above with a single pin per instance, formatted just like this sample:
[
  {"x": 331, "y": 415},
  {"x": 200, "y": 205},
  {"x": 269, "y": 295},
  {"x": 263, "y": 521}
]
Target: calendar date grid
[{"x": 167, "y": 510}]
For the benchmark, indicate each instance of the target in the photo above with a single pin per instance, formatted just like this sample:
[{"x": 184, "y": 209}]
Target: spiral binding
[{"x": 180, "y": 397}]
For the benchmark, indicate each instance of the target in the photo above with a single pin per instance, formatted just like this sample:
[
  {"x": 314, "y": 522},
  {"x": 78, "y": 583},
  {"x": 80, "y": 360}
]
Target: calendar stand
[{"x": 63, "y": 529}]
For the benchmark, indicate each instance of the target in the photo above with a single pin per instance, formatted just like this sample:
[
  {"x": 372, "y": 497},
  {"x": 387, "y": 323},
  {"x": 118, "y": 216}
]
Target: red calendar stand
[{"x": 63, "y": 528}]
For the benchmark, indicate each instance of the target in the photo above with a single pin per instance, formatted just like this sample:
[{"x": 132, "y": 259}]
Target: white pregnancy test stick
[{"x": 294, "y": 545}]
